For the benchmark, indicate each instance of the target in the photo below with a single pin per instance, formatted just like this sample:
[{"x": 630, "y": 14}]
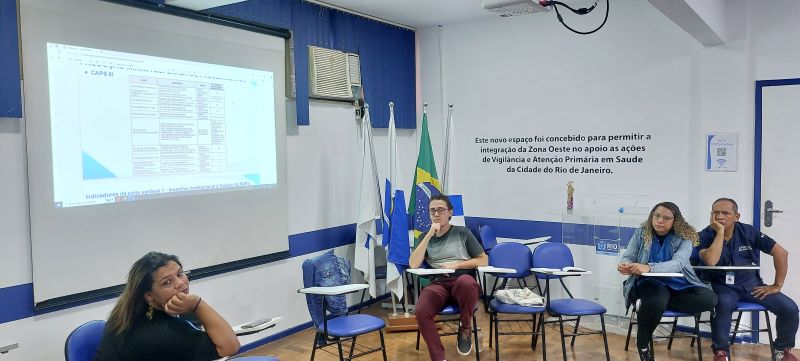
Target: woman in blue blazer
[{"x": 662, "y": 244}]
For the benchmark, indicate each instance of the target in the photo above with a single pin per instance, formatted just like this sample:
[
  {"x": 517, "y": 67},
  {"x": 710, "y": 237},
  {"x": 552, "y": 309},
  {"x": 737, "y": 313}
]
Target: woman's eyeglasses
[{"x": 663, "y": 217}]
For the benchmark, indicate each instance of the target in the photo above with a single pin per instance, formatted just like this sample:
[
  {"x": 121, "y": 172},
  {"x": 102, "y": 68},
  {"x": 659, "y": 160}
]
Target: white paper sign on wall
[{"x": 722, "y": 152}]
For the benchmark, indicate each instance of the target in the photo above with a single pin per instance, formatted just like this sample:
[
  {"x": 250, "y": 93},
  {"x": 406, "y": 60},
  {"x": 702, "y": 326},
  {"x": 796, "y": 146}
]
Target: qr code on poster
[{"x": 721, "y": 152}]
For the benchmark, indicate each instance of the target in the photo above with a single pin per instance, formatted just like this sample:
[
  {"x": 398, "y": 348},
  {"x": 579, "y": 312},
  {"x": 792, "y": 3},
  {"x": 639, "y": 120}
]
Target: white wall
[{"x": 527, "y": 75}]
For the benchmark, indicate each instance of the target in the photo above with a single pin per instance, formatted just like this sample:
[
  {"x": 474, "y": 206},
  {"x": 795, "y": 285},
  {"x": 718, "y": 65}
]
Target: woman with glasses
[
  {"x": 662, "y": 244},
  {"x": 453, "y": 247}
]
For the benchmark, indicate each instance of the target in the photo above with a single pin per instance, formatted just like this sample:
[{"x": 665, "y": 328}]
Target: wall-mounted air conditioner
[
  {"x": 506, "y": 8},
  {"x": 333, "y": 74}
]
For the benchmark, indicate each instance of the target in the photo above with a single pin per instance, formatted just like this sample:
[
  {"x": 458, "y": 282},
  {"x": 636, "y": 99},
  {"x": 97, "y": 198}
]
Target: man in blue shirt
[{"x": 726, "y": 242}]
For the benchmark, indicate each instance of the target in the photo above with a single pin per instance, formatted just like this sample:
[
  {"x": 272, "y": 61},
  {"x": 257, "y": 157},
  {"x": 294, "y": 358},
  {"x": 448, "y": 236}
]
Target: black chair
[{"x": 674, "y": 315}]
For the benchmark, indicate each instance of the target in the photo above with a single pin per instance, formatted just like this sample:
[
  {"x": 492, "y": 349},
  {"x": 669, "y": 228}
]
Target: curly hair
[{"x": 682, "y": 228}]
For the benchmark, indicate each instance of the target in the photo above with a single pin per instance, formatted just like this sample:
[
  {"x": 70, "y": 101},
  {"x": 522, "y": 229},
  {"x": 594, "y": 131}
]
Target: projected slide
[{"x": 129, "y": 127}]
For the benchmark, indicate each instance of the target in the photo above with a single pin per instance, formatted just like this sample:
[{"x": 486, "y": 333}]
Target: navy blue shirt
[
  {"x": 661, "y": 252},
  {"x": 743, "y": 249}
]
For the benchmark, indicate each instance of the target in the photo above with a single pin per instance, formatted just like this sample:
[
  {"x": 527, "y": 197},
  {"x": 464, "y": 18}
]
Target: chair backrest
[
  {"x": 512, "y": 255},
  {"x": 83, "y": 341},
  {"x": 552, "y": 255},
  {"x": 326, "y": 270},
  {"x": 488, "y": 237},
  {"x": 474, "y": 227}
]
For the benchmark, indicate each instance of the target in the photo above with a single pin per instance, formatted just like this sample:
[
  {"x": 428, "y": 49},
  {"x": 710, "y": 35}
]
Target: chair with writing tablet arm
[
  {"x": 512, "y": 260},
  {"x": 550, "y": 260}
]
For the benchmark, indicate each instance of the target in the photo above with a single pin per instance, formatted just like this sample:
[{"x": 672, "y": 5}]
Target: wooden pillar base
[{"x": 401, "y": 322}]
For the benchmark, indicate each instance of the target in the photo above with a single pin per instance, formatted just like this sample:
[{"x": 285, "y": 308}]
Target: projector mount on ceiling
[{"x": 579, "y": 11}]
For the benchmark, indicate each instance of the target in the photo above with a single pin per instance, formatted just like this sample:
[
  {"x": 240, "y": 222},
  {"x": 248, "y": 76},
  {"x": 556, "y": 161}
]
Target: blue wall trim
[
  {"x": 571, "y": 233},
  {"x": 18, "y": 300},
  {"x": 310, "y": 242},
  {"x": 10, "y": 92}
]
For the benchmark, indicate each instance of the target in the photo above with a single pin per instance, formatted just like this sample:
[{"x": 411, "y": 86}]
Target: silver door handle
[{"x": 770, "y": 210}]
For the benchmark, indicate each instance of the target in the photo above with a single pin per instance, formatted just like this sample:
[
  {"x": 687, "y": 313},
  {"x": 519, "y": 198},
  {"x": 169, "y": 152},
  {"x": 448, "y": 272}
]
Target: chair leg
[
  {"x": 769, "y": 334},
  {"x": 417, "y": 338},
  {"x": 383, "y": 345},
  {"x": 534, "y": 330},
  {"x": 577, "y": 322},
  {"x": 475, "y": 333},
  {"x": 697, "y": 337},
  {"x": 352, "y": 346},
  {"x": 536, "y": 326},
  {"x": 314, "y": 349},
  {"x": 605, "y": 338},
  {"x": 495, "y": 335},
  {"x": 339, "y": 346},
  {"x": 563, "y": 344},
  {"x": 630, "y": 328},
  {"x": 544, "y": 341},
  {"x": 491, "y": 328},
  {"x": 672, "y": 333},
  {"x": 736, "y": 327}
]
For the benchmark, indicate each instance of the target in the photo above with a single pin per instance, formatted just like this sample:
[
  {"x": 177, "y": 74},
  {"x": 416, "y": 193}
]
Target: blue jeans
[{"x": 782, "y": 306}]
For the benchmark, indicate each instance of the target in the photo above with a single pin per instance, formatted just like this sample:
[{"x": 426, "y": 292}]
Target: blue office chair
[
  {"x": 513, "y": 256},
  {"x": 743, "y": 307},
  {"x": 488, "y": 238},
  {"x": 558, "y": 255},
  {"x": 322, "y": 278},
  {"x": 83, "y": 341}
]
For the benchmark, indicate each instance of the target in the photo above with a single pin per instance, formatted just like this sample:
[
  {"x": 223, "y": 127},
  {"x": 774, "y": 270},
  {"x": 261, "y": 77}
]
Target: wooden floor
[{"x": 401, "y": 346}]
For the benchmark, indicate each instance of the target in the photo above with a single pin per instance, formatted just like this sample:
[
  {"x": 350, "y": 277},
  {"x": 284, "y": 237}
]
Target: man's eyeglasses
[
  {"x": 663, "y": 217},
  {"x": 435, "y": 211}
]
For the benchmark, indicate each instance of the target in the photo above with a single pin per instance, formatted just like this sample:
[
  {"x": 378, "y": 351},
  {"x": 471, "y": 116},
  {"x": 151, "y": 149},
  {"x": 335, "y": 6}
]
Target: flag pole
[
  {"x": 446, "y": 170},
  {"x": 391, "y": 294}
]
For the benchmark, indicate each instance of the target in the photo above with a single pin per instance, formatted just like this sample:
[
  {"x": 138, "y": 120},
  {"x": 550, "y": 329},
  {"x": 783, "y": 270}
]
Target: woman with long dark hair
[
  {"x": 146, "y": 322},
  {"x": 662, "y": 244}
]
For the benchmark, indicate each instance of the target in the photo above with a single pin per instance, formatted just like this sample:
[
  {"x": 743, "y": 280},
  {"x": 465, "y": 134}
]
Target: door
[{"x": 778, "y": 115}]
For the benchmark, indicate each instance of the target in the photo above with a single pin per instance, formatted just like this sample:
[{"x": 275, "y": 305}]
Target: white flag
[
  {"x": 369, "y": 208},
  {"x": 395, "y": 218}
]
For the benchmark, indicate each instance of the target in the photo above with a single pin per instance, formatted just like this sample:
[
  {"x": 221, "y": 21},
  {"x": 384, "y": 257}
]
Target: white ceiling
[
  {"x": 417, "y": 13},
  {"x": 410, "y": 13},
  {"x": 711, "y": 22}
]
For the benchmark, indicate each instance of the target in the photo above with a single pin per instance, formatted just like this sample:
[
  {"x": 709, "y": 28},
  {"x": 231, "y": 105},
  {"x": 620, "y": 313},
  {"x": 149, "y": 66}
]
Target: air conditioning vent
[{"x": 334, "y": 74}]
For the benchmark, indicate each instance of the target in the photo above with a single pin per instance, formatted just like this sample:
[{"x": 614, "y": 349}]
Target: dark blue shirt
[
  {"x": 743, "y": 249},
  {"x": 661, "y": 252}
]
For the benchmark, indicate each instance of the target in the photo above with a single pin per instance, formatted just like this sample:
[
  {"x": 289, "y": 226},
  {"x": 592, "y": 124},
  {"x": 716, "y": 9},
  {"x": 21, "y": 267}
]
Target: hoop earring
[{"x": 149, "y": 313}]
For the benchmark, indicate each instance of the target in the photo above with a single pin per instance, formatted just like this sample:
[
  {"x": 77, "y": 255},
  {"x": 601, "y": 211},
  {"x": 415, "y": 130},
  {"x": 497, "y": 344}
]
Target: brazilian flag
[{"x": 426, "y": 184}]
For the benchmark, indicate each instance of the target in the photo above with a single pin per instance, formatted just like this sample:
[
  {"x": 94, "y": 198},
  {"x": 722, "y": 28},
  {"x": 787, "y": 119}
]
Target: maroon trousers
[{"x": 463, "y": 291}]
